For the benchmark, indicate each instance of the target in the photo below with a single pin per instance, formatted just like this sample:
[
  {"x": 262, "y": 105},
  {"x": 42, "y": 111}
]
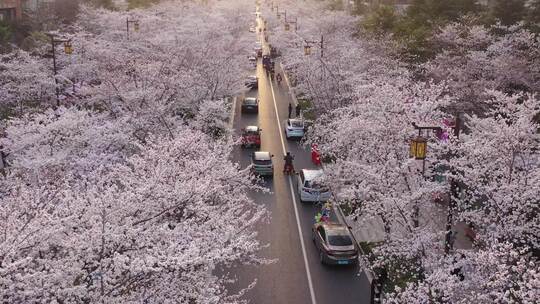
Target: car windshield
[{"x": 339, "y": 240}]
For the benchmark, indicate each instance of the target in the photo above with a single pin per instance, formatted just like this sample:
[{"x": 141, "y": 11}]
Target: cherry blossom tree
[
  {"x": 149, "y": 229},
  {"x": 496, "y": 164},
  {"x": 329, "y": 81},
  {"x": 117, "y": 196},
  {"x": 474, "y": 59},
  {"x": 24, "y": 79},
  {"x": 366, "y": 135}
]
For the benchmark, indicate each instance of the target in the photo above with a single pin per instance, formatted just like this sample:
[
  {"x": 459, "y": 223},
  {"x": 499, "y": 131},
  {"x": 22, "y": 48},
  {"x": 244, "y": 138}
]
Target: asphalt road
[{"x": 287, "y": 280}]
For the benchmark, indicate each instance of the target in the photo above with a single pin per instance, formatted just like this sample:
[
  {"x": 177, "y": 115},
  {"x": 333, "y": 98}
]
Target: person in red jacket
[{"x": 315, "y": 155}]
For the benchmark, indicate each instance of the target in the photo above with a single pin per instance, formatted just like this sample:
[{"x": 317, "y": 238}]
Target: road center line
[{"x": 310, "y": 282}]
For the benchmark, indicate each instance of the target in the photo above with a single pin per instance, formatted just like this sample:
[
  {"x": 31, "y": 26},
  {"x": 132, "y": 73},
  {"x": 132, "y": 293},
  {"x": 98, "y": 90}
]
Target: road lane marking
[{"x": 308, "y": 272}]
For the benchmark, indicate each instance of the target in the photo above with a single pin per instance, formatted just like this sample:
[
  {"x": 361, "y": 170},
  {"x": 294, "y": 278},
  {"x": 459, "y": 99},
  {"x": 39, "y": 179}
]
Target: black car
[
  {"x": 268, "y": 63},
  {"x": 335, "y": 244},
  {"x": 250, "y": 105},
  {"x": 252, "y": 82}
]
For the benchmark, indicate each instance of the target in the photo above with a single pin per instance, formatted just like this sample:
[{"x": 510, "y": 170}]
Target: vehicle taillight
[{"x": 328, "y": 251}]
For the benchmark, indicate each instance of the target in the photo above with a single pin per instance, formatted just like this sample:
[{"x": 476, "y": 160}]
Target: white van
[{"x": 310, "y": 190}]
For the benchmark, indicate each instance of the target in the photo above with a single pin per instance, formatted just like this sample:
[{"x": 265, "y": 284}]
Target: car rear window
[
  {"x": 262, "y": 162},
  {"x": 250, "y": 101},
  {"x": 339, "y": 240},
  {"x": 297, "y": 124},
  {"x": 316, "y": 186}
]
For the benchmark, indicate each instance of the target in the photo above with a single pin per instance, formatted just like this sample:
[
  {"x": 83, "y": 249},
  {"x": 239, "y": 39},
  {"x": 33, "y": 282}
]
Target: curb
[{"x": 233, "y": 111}]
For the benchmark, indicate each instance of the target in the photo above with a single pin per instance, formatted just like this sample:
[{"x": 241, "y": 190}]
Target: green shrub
[
  {"x": 5, "y": 33},
  {"x": 381, "y": 20},
  {"x": 141, "y": 3}
]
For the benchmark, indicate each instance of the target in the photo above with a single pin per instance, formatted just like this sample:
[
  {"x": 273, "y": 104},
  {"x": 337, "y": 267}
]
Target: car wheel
[{"x": 321, "y": 257}]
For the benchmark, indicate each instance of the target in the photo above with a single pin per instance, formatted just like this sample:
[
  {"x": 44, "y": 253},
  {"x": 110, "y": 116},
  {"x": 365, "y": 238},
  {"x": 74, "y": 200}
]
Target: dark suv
[{"x": 250, "y": 104}]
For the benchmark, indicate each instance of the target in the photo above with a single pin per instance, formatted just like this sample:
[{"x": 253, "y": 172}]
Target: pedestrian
[
  {"x": 315, "y": 155},
  {"x": 290, "y": 109},
  {"x": 298, "y": 110}
]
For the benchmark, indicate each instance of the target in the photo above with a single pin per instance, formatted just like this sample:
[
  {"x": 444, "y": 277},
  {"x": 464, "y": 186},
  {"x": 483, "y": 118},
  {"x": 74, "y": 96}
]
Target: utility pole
[
  {"x": 68, "y": 49},
  {"x": 420, "y": 148},
  {"x": 322, "y": 46},
  {"x": 454, "y": 192},
  {"x": 308, "y": 46},
  {"x": 135, "y": 26}
]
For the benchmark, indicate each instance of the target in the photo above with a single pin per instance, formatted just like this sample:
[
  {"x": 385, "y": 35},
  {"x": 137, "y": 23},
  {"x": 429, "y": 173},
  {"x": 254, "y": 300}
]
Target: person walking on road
[
  {"x": 290, "y": 109},
  {"x": 298, "y": 110},
  {"x": 278, "y": 78}
]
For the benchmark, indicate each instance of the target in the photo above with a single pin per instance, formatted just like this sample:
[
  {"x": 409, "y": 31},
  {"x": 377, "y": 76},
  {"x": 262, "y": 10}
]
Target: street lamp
[
  {"x": 68, "y": 49},
  {"x": 418, "y": 148},
  {"x": 307, "y": 49},
  {"x": 135, "y": 26},
  {"x": 307, "y": 46},
  {"x": 295, "y": 23}
]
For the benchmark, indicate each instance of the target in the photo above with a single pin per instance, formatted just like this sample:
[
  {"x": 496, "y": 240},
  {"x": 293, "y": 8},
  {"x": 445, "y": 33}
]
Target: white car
[
  {"x": 310, "y": 189},
  {"x": 294, "y": 128},
  {"x": 253, "y": 60}
]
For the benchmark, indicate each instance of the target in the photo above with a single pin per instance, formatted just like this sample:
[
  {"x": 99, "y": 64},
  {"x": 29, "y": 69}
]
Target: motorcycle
[{"x": 289, "y": 169}]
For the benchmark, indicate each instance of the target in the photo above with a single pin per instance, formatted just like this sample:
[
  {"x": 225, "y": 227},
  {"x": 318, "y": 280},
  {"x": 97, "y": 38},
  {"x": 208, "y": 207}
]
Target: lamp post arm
[{"x": 426, "y": 128}]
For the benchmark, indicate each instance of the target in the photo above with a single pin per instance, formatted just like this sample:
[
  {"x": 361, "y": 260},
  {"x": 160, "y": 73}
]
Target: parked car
[
  {"x": 250, "y": 104},
  {"x": 309, "y": 188},
  {"x": 251, "y": 137},
  {"x": 252, "y": 29},
  {"x": 261, "y": 162},
  {"x": 258, "y": 49},
  {"x": 274, "y": 52},
  {"x": 294, "y": 128},
  {"x": 267, "y": 62},
  {"x": 253, "y": 60},
  {"x": 252, "y": 82},
  {"x": 335, "y": 244}
]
